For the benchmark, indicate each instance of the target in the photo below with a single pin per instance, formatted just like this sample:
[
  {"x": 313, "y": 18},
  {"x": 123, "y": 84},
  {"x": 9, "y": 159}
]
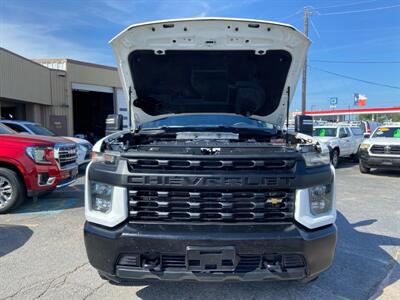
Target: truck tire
[
  {"x": 11, "y": 190},
  {"x": 364, "y": 169},
  {"x": 335, "y": 158}
]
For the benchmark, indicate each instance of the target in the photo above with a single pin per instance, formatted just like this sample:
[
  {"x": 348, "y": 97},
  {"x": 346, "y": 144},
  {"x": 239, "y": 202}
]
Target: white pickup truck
[{"x": 344, "y": 140}]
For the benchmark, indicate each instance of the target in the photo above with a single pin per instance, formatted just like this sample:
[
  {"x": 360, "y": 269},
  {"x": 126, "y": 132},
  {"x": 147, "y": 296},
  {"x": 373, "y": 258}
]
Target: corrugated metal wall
[
  {"x": 91, "y": 74},
  {"x": 24, "y": 80},
  {"x": 49, "y": 91},
  {"x": 60, "y": 104}
]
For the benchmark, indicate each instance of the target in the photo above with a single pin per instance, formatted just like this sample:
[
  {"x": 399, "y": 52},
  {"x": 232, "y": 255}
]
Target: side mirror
[
  {"x": 367, "y": 135},
  {"x": 342, "y": 135},
  {"x": 113, "y": 123}
]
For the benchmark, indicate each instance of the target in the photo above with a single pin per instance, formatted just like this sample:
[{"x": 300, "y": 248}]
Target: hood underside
[{"x": 228, "y": 66}]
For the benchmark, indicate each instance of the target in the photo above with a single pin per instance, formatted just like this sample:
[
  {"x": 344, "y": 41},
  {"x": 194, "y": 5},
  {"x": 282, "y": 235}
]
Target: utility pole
[{"x": 307, "y": 13}]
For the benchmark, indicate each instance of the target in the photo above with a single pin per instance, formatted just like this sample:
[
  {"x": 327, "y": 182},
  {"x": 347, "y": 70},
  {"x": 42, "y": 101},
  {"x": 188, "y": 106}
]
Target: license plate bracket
[{"x": 211, "y": 258}]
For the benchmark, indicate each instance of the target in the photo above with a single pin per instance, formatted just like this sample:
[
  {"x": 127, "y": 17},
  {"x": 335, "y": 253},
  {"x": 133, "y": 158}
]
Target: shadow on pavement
[
  {"x": 12, "y": 237},
  {"x": 359, "y": 268},
  {"x": 385, "y": 173},
  {"x": 54, "y": 202},
  {"x": 345, "y": 163}
]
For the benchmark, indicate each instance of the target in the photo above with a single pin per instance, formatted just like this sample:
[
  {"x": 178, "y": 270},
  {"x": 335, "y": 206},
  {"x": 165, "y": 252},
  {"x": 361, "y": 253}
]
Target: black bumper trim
[
  {"x": 380, "y": 162},
  {"x": 257, "y": 275},
  {"x": 104, "y": 247}
]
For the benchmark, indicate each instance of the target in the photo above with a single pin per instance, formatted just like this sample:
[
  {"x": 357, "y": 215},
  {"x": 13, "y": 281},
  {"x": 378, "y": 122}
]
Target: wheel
[
  {"x": 363, "y": 168},
  {"x": 335, "y": 158},
  {"x": 11, "y": 190}
]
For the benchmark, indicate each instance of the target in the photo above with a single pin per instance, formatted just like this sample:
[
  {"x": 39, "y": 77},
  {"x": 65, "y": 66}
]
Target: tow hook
[
  {"x": 273, "y": 266},
  {"x": 152, "y": 264}
]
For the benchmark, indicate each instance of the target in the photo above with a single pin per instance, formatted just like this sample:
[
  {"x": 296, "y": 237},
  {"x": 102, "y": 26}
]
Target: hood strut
[
  {"x": 287, "y": 114},
  {"x": 130, "y": 108}
]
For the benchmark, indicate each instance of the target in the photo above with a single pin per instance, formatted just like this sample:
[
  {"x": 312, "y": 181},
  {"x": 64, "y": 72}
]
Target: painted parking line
[{"x": 46, "y": 206}]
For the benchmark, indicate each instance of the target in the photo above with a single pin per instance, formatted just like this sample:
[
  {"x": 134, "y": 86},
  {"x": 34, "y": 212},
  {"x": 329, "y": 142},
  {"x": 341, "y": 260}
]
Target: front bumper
[
  {"x": 381, "y": 162},
  {"x": 57, "y": 179},
  {"x": 315, "y": 246}
]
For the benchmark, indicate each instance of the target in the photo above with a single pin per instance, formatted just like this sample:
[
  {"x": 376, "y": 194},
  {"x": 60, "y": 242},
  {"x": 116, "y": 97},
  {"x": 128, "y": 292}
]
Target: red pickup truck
[{"x": 33, "y": 165}]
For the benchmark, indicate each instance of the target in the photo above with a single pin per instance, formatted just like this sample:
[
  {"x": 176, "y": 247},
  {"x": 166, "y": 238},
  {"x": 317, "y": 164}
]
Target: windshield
[
  {"x": 325, "y": 131},
  {"x": 37, "y": 129},
  {"x": 389, "y": 132},
  {"x": 208, "y": 121},
  {"x": 6, "y": 130}
]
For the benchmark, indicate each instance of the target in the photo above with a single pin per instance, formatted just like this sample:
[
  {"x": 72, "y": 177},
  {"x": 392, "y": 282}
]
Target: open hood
[{"x": 209, "y": 65}]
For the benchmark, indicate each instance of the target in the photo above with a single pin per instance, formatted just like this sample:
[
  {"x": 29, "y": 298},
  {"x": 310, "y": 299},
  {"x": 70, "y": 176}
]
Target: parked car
[
  {"x": 369, "y": 127},
  {"x": 344, "y": 140},
  {"x": 381, "y": 150},
  {"x": 84, "y": 148},
  {"x": 33, "y": 165}
]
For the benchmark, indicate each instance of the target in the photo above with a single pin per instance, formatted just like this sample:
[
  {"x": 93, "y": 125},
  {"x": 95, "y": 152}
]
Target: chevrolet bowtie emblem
[{"x": 274, "y": 201}]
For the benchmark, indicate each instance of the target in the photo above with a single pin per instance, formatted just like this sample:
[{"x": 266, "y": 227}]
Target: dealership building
[{"x": 65, "y": 95}]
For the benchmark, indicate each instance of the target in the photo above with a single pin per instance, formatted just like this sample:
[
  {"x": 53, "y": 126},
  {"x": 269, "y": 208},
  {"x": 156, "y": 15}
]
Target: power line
[
  {"x": 292, "y": 15},
  {"x": 347, "y": 4},
  {"x": 357, "y": 11},
  {"x": 356, "y": 79},
  {"x": 315, "y": 28},
  {"x": 354, "y": 62}
]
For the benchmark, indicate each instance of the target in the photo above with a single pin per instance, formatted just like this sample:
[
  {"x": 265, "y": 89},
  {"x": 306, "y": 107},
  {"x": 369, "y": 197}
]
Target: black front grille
[
  {"x": 210, "y": 164},
  {"x": 248, "y": 263},
  {"x": 292, "y": 261},
  {"x": 186, "y": 206},
  {"x": 385, "y": 149},
  {"x": 173, "y": 261}
]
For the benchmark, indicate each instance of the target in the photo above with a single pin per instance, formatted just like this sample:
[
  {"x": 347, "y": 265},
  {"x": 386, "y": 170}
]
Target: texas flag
[{"x": 360, "y": 99}]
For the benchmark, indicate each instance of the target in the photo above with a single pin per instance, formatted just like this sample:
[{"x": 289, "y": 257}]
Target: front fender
[{"x": 14, "y": 162}]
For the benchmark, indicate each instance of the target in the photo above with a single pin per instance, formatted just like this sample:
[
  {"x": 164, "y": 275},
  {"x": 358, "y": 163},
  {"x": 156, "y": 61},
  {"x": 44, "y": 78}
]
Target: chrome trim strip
[{"x": 62, "y": 185}]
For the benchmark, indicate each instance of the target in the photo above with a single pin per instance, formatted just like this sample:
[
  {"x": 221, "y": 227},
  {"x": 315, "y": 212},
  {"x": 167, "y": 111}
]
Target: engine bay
[{"x": 204, "y": 142}]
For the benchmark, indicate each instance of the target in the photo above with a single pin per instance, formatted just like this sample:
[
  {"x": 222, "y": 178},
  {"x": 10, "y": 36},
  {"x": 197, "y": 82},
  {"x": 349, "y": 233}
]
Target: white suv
[{"x": 343, "y": 139}]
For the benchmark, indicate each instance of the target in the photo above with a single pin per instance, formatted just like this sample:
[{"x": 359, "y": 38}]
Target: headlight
[
  {"x": 364, "y": 146},
  {"x": 321, "y": 197},
  {"x": 41, "y": 155},
  {"x": 109, "y": 158},
  {"x": 315, "y": 155},
  {"x": 101, "y": 195}
]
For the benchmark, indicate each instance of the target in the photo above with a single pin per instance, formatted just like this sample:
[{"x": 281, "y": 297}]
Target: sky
[{"x": 352, "y": 38}]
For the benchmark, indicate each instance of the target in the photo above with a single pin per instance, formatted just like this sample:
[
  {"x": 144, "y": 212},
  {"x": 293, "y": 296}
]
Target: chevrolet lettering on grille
[{"x": 201, "y": 181}]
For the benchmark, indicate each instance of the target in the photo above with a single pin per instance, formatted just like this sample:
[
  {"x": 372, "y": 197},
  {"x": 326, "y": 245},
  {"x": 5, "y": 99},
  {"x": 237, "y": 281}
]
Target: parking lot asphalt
[{"x": 42, "y": 254}]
